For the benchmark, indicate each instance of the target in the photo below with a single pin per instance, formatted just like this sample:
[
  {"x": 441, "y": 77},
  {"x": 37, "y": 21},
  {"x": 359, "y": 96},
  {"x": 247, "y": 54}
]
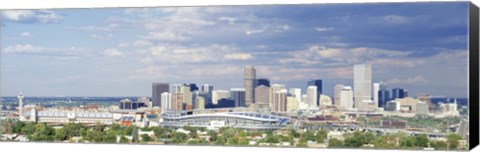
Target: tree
[
  {"x": 335, "y": 143},
  {"x": 421, "y": 140},
  {"x": 438, "y": 144},
  {"x": 146, "y": 138},
  {"x": 384, "y": 142},
  {"x": 293, "y": 133},
  {"x": 123, "y": 139},
  {"x": 17, "y": 127},
  {"x": 29, "y": 128},
  {"x": 321, "y": 135},
  {"x": 453, "y": 140},
  {"x": 60, "y": 134},
  {"x": 110, "y": 136}
]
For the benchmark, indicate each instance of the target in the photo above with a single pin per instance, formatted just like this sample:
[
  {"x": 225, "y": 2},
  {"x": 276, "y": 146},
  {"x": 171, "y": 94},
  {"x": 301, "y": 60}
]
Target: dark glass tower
[
  {"x": 262, "y": 81},
  {"x": 397, "y": 93},
  {"x": 383, "y": 97},
  {"x": 157, "y": 90}
]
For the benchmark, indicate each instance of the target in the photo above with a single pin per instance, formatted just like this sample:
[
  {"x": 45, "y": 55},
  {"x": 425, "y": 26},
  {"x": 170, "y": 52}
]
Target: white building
[
  {"x": 296, "y": 93},
  {"x": 376, "y": 88},
  {"x": 312, "y": 96},
  {"x": 166, "y": 101},
  {"x": 362, "y": 82},
  {"x": 280, "y": 101},
  {"x": 219, "y": 94},
  {"x": 346, "y": 96},
  {"x": 274, "y": 88},
  {"x": 336, "y": 94}
]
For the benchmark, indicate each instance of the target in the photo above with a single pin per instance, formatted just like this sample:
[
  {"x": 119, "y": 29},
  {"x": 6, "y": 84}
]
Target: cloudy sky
[{"x": 421, "y": 47}]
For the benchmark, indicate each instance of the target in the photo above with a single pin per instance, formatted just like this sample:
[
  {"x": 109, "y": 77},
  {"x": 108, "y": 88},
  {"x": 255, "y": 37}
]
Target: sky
[{"x": 421, "y": 47}]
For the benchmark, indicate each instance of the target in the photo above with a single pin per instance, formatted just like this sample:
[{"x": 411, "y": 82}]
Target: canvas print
[{"x": 370, "y": 76}]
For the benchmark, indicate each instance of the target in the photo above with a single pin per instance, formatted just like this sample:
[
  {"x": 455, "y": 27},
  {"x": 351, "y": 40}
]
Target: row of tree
[
  {"x": 224, "y": 136},
  {"x": 394, "y": 141}
]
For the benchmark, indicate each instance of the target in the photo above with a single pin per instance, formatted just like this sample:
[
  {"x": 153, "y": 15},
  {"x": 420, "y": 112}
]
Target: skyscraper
[
  {"x": 397, "y": 93},
  {"x": 166, "y": 102},
  {"x": 312, "y": 96},
  {"x": 199, "y": 103},
  {"x": 362, "y": 82},
  {"x": 262, "y": 81},
  {"x": 157, "y": 90},
  {"x": 273, "y": 89},
  {"x": 238, "y": 96},
  {"x": 280, "y": 101},
  {"x": 346, "y": 97},
  {"x": 249, "y": 77},
  {"x": 318, "y": 84},
  {"x": 376, "y": 88},
  {"x": 177, "y": 101},
  {"x": 383, "y": 97},
  {"x": 262, "y": 94},
  {"x": 187, "y": 96},
  {"x": 336, "y": 94}
]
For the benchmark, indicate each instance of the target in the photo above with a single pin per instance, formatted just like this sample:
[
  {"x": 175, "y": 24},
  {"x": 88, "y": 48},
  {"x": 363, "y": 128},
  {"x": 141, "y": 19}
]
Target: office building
[
  {"x": 225, "y": 103},
  {"x": 262, "y": 81},
  {"x": 20, "y": 106},
  {"x": 362, "y": 82},
  {"x": 238, "y": 96},
  {"x": 346, "y": 96},
  {"x": 336, "y": 94},
  {"x": 296, "y": 93},
  {"x": 249, "y": 78},
  {"x": 365, "y": 106},
  {"x": 157, "y": 90},
  {"x": 397, "y": 93},
  {"x": 312, "y": 96},
  {"x": 292, "y": 104},
  {"x": 262, "y": 93},
  {"x": 280, "y": 101},
  {"x": 193, "y": 87},
  {"x": 219, "y": 94},
  {"x": 425, "y": 97},
  {"x": 187, "y": 96},
  {"x": 273, "y": 89},
  {"x": 422, "y": 108},
  {"x": 199, "y": 103},
  {"x": 166, "y": 102},
  {"x": 383, "y": 97},
  {"x": 318, "y": 84},
  {"x": 177, "y": 102},
  {"x": 325, "y": 101},
  {"x": 206, "y": 88}
]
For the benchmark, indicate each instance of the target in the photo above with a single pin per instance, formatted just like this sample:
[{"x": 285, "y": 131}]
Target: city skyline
[{"x": 120, "y": 52}]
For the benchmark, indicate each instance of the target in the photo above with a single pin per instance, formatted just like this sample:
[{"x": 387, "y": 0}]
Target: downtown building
[
  {"x": 238, "y": 96},
  {"x": 157, "y": 90},
  {"x": 249, "y": 84},
  {"x": 362, "y": 82}
]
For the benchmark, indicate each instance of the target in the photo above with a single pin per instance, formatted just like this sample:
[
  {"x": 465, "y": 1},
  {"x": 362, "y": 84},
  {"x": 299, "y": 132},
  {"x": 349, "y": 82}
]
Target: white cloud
[
  {"x": 25, "y": 34},
  {"x": 230, "y": 20},
  {"x": 239, "y": 56},
  {"x": 168, "y": 53},
  {"x": 165, "y": 36},
  {"x": 409, "y": 80},
  {"x": 27, "y": 48},
  {"x": 32, "y": 16},
  {"x": 95, "y": 36},
  {"x": 318, "y": 54},
  {"x": 142, "y": 43},
  {"x": 112, "y": 52},
  {"x": 323, "y": 29},
  {"x": 250, "y": 32}
]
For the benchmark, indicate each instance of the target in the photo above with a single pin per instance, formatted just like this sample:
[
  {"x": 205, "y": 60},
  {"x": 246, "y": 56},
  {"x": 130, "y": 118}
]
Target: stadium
[{"x": 242, "y": 120}]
